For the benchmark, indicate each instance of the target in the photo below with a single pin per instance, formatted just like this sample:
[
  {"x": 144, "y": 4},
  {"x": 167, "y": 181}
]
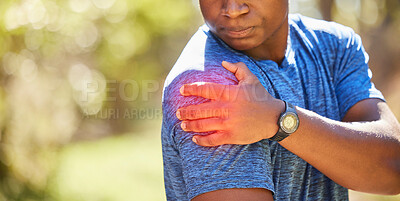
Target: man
[{"x": 334, "y": 130}]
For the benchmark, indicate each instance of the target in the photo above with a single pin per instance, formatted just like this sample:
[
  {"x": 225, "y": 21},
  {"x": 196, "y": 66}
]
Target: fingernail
[
  {"x": 194, "y": 140},
  {"x": 178, "y": 114},
  {"x": 181, "y": 89},
  {"x": 183, "y": 125}
]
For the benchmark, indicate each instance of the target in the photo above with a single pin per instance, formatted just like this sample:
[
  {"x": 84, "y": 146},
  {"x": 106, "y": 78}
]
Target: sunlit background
[{"x": 81, "y": 84}]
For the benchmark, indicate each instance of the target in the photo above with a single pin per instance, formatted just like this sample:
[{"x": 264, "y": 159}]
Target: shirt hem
[{"x": 208, "y": 187}]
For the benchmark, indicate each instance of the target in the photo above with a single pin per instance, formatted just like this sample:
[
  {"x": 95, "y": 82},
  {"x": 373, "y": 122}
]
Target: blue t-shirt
[{"x": 325, "y": 70}]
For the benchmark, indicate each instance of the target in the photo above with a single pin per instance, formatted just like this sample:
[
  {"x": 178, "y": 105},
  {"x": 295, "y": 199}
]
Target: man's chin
[{"x": 241, "y": 46}]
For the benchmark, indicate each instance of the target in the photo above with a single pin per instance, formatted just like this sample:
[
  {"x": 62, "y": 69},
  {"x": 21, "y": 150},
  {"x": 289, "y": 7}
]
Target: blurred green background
[{"x": 81, "y": 84}]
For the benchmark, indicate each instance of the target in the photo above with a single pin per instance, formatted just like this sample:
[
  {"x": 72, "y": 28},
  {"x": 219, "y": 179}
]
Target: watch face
[{"x": 289, "y": 122}]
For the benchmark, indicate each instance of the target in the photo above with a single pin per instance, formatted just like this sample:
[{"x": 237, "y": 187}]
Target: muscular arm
[
  {"x": 226, "y": 172},
  {"x": 251, "y": 194}
]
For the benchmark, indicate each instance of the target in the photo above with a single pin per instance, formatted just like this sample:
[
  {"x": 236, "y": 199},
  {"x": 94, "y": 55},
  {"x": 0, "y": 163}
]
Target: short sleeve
[
  {"x": 353, "y": 76},
  {"x": 206, "y": 169}
]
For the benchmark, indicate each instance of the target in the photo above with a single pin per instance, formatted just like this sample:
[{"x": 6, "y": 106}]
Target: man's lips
[{"x": 239, "y": 32}]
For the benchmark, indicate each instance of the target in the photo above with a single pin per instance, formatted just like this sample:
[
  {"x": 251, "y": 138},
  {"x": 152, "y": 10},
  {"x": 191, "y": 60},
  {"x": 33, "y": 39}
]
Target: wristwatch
[{"x": 288, "y": 123}]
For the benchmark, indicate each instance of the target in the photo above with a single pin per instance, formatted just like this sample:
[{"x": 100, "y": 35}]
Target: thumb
[
  {"x": 241, "y": 71},
  {"x": 215, "y": 139}
]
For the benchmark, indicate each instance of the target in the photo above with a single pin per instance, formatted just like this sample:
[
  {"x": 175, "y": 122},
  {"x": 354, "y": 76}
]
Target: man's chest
[{"x": 304, "y": 84}]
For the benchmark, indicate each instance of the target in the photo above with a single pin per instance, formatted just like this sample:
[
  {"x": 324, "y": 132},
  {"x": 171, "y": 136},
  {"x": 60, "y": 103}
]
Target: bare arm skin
[
  {"x": 362, "y": 152},
  {"x": 250, "y": 194}
]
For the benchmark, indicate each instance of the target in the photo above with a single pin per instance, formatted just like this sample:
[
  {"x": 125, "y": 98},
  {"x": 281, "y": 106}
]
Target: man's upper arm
[
  {"x": 358, "y": 98},
  {"x": 208, "y": 170},
  {"x": 365, "y": 110},
  {"x": 352, "y": 80},
  {"x": 371, "y": 109}
]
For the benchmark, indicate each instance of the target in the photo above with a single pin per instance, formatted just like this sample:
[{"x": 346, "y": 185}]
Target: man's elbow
[
  {"x": 394, "y": 179},
  {"x": 390, "y": 183},
  {"x": 390, "y": 186},
  {"x": 393, "y": 189},
  {"x": 385, "y": 181},
  {"x": 390, "y": 174},
  {"x": 396, "y": 184}
]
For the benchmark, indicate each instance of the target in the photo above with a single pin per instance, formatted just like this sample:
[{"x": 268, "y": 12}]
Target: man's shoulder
[
  {"x": 311, "y": 27},
  {"x": 192, "y": 57},
  {"x": 200, "y": 61}
]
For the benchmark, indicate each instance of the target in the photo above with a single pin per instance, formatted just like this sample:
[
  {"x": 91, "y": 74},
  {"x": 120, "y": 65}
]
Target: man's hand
[{"x": 240, "y": 114}]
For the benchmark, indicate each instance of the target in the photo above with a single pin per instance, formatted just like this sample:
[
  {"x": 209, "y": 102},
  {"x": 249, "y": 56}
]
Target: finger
[
  {"x": 202, "y": 125},
  {"x": 242, "y": 73},
  {"x": 204, "y": 89},
  {"x": 202, "y": 111},
  {"x": 215, "y": 139}
]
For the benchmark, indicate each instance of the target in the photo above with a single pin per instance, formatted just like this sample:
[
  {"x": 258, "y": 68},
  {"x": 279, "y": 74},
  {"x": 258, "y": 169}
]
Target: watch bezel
[
  {"x": 283, "y": 132},
  {"x": 283, "y": 127}
]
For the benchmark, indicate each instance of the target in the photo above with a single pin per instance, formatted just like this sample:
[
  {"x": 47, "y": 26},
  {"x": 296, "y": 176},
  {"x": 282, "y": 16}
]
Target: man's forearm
[{"x": 362, "y": 156}]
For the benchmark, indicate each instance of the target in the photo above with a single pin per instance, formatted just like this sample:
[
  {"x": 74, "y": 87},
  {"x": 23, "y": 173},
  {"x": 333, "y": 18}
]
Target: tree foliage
[{"x": 62, "y": 63}]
